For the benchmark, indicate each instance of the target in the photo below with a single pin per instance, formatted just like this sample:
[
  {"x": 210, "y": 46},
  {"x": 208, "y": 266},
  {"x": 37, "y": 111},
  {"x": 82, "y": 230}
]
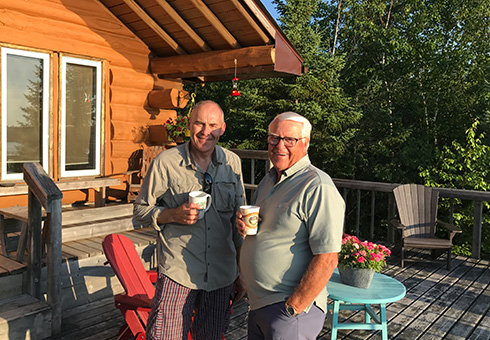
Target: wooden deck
[{"x": 438, "y": 305}]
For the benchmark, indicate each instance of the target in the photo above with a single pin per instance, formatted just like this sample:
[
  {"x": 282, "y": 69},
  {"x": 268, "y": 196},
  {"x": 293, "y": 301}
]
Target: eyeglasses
[
  {"x": 289, "y": 142},
  {"x": 208, "y": 182}
]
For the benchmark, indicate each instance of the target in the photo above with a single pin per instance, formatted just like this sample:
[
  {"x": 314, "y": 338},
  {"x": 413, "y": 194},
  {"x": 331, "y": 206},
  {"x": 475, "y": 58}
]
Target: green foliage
[{"x": 463, "y": 167}]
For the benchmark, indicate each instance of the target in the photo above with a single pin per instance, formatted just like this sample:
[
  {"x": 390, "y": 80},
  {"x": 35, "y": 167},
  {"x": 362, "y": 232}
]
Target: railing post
[
  {"x": 53, "y": 262},
  {"x": 358, "y": 213},
  {"x": 373, "y": 211},
  {"x": 477, "y": 223},
  {"x": 391, "y": 215},
  {"x": 34, "y": 245},
  {"x": 44, "y": 193}
]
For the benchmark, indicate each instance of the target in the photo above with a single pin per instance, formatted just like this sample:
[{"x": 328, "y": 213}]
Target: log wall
[{"x": 87, "y": 29}]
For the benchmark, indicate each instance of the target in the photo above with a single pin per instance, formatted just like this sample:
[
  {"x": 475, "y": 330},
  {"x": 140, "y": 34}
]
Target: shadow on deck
[{"x": 439, "y": 304}]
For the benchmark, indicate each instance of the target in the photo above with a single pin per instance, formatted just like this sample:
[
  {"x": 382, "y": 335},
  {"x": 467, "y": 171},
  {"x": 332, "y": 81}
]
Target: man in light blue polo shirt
[{"x": 287, "y": 265}]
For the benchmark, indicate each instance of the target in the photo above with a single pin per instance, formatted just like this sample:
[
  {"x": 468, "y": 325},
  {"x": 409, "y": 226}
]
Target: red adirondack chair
[
  {"x": 134, "y": 304},
  {"x": 137, "y": 282}
]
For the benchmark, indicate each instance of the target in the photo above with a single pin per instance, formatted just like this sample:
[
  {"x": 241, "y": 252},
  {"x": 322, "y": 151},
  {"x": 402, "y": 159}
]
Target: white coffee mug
[{"x": 202, "y": 199}]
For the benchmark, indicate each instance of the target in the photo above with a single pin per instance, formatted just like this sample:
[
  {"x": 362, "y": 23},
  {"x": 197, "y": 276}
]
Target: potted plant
[
  {"x": 177, "y": 129},
  {"x": 359, "y": 260}
]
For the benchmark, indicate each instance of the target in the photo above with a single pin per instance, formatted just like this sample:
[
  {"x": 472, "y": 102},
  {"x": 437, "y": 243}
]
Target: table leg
[
  {"x": 384, "y": 323},
  {"x": 335, "y": 319},
  {"x": 367, "y": 316}
]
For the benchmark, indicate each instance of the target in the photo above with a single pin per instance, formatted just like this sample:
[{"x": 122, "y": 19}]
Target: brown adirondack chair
[
  {"x": 135, "y": 177},
  {"x": 417, "y": 212}
]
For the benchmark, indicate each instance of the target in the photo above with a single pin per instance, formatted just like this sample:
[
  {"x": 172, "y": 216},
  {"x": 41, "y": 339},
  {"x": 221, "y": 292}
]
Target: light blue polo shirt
[{"x": 302, "y": 216}]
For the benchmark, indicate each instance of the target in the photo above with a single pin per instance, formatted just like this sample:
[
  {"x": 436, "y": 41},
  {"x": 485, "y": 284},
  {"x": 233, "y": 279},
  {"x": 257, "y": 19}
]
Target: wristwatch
[{"x": 291, "y": 310}]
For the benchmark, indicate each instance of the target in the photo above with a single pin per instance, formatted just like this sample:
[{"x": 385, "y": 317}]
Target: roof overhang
[{"x": 207, "y": 40}]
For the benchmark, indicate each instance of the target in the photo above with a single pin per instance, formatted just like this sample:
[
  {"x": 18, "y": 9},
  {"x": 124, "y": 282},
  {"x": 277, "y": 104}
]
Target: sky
[{"x": 270, "y": 8}]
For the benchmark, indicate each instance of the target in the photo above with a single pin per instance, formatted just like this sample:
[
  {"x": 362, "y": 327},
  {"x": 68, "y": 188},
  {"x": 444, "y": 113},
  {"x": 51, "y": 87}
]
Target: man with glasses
[
  {"x": 287, "y": 265},
  {"x": 198, "y": 271}
]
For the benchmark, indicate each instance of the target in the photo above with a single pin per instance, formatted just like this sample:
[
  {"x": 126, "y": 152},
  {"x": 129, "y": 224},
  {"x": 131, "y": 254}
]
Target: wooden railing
[
  {"x": 43, "y": 193},
  {"x": 360, "y": 187}
]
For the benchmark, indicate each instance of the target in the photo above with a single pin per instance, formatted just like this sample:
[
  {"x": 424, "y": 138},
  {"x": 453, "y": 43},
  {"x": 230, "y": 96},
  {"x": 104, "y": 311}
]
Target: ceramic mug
[{"x": 202, "y": 199}]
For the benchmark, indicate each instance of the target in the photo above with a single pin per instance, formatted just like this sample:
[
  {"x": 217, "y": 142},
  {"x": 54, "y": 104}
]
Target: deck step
[{"x": 24, "y": 317}]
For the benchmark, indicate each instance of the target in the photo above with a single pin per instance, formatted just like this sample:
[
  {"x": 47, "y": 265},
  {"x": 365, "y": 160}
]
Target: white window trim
[
  {"x": 45, "y": 106},
  {"x": 98, "y": 142}
]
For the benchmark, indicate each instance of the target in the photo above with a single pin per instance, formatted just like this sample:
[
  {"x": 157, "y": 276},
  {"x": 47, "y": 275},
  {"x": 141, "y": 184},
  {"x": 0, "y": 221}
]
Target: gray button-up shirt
[{"x": 202, "y": 255}]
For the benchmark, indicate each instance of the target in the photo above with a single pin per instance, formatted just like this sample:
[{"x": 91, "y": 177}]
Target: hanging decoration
[{"x": 234, "y": 91}]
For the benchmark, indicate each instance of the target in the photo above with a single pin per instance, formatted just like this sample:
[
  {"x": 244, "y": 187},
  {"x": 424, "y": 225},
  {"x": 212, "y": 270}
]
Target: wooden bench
[
  {"x": 99, "y": 185},
  {"x": 77, "y": 223},
  {"x": 20, "y": 212}
]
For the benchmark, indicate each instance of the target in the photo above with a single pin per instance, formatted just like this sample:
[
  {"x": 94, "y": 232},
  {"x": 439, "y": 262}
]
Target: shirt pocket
[{"x": 225, "y": 196}]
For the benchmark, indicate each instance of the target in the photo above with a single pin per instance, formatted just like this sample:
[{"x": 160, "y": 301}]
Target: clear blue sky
[{"x": 270, "y": 8}]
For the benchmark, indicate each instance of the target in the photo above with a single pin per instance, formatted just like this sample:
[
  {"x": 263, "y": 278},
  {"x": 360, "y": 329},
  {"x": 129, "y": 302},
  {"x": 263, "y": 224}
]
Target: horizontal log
[
  {"x": 125, "y": 130},
  {"x": 130, "y": 113},
  {"x": 97, "y": 20},
  {"x": 127, "y": 77},
  {"x": 122, "y": 150},
  {"x": 168, "y": 98},
  {"x": 216, "y": 60},
  {"x": 119, "y": 165},
  {"x": 55, "y": 35},
  {"x": 127, "y": 96}
]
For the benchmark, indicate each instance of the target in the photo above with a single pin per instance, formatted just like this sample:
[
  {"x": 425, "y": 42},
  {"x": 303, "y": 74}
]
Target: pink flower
[
  {"x": 179, "y": 128},
  {"x": 361, "y": 259}
]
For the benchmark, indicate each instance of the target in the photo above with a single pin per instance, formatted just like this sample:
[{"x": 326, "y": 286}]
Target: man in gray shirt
[
  {"x": 287, "y": 265},
  {"x": 198, "y": 257}
]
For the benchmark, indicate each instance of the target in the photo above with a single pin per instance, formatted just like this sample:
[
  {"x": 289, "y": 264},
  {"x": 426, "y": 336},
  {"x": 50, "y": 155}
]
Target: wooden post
[
  {"x": 44, "y": 193},
  {"x": 53, "y": 262},
  {"x": 391, "y": 215},
  {"x": 358, "y": 212},
  {"x": 34, "y": 246},
  {"x": 373, "y": 210},
  {"x": 477, "y": 222}
]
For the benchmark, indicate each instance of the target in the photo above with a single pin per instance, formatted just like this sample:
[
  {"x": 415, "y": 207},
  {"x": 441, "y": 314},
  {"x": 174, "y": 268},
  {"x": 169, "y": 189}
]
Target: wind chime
[{"x": 234, "y": 91}]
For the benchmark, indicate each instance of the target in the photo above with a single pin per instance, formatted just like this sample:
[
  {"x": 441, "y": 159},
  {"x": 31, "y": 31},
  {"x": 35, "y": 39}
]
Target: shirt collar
[
  {"x": 296, "y": 167},
  {"x": 218, "y": 156}
]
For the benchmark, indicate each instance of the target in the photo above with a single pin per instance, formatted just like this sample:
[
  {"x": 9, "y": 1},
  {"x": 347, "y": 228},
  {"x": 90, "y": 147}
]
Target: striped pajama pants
[{"x": 173, "y": 308}]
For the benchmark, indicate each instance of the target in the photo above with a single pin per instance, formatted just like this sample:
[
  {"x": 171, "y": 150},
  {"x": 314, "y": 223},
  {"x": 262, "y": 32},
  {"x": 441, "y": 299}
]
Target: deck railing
[
  {"x": 43, "y": 193},
  {"x": 360, "y": 188}
]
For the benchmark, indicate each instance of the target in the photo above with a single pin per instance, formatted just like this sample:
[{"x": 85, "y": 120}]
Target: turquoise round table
[{"x": 383, "y": 290}]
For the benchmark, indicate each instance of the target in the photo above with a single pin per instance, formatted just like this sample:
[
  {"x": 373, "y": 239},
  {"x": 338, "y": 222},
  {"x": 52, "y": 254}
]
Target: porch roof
[{"x": 199, "y": 40}]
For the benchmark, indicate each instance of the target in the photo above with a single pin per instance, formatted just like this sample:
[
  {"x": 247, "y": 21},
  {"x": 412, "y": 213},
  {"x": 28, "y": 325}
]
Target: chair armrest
[
  {"x": 397, "y": 224},
  {"x": 152, "y": 275},
  {"x": 132, "y": 301},
  {"x": 450, "y": 227}
]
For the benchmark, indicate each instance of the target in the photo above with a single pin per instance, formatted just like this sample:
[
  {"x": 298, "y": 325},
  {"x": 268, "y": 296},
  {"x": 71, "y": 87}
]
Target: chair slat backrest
[
  {"x": 149, "y": 153},
  {"x": 417, "y": 209},
  {"x": 126, "y": 263}
]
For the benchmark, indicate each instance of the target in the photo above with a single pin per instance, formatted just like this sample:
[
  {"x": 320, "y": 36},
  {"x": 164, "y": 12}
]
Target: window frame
[
  {"x": 46, "y": 57},
  {"x": 98, "y": 65}
]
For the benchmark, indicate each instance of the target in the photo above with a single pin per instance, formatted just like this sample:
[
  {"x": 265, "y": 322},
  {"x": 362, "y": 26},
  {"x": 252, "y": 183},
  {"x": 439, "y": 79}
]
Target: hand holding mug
[{"x": 202, "y": 199}]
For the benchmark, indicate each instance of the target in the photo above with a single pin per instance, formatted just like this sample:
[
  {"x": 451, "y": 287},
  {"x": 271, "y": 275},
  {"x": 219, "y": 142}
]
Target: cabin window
[
  {"x": 80, "y": 116},
  {"x": 25, "y": 110}
]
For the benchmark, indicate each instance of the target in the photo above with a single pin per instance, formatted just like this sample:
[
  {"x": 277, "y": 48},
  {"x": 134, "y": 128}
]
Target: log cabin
[{"x": 86, "y": 84}]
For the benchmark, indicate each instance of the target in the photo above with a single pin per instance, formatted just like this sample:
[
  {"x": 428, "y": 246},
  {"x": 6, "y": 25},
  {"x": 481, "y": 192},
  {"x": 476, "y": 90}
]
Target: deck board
[{"x": 439, "y": 304}]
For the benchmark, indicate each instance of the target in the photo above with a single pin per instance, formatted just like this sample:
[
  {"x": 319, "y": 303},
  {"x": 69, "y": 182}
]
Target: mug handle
[{"x": 208, "y": 205}]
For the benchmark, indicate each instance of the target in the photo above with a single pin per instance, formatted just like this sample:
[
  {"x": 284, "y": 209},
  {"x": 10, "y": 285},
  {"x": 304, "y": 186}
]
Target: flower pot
[{"x": 356, "y": 277}]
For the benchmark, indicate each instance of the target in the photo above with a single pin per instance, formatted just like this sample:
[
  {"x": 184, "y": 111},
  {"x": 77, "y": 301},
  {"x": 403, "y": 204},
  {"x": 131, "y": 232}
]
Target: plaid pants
[{"x": 172, "y": 310}]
